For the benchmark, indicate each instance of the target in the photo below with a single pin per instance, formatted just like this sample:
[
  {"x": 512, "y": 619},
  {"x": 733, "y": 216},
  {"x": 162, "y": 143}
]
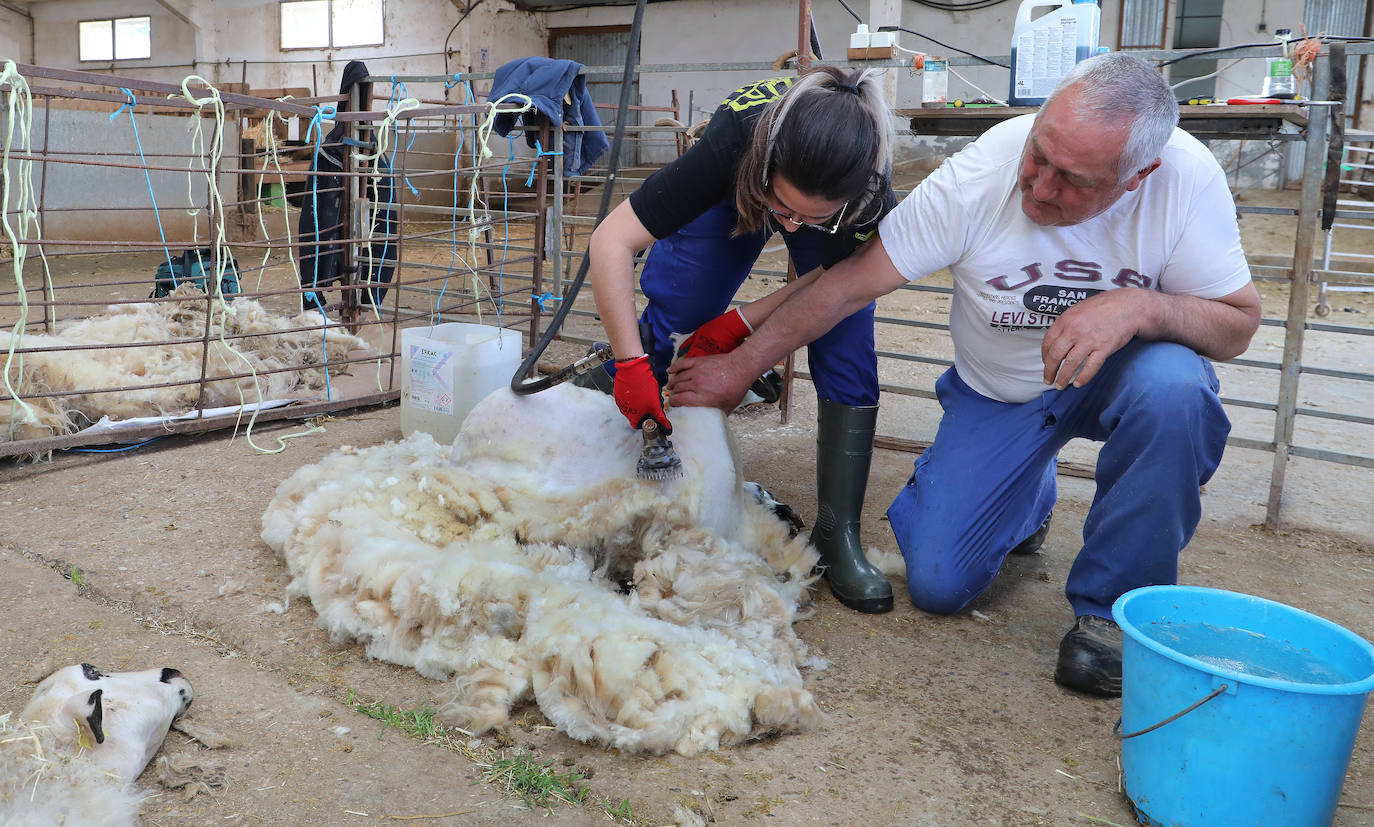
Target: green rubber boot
[{"x": 844, "y": 448}]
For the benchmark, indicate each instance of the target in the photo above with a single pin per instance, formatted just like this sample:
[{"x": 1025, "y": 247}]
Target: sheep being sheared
[
  {"x": 72, "y": 755},
  {"x": 271, "y": 342},
  {"x": 499, "y": 566}
]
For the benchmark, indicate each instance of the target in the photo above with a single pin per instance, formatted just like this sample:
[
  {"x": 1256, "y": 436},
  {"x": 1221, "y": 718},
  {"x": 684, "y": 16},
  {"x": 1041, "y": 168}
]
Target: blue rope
[
  {"x": 398, "y": 92},
  {"x": 468, "y": 97},
  {"x": 404, "y": 92},
  {"x": 534, "y": 162},
  {"x": 321, "y": 113},
  {"x": 505, "y": 241},
  {"x": 147, "y": 178},
  {"x": 544, "y": 299}
]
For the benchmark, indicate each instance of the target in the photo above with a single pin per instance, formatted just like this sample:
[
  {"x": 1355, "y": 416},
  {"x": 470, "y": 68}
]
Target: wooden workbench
[{"x": 1247, "y": 122}]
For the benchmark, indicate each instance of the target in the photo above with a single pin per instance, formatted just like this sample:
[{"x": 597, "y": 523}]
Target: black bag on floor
[{"x": 194, "y": 267}]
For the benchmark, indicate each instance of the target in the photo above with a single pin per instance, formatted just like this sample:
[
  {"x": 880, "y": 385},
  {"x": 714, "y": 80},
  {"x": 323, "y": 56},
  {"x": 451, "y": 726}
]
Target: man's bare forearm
[{"x": 1216, "y": 328}]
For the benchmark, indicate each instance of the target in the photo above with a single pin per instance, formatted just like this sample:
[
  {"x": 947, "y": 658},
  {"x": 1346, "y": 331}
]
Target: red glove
[
  {"x": 637, "y": 393},
  {"x": 720, "y": 335}
]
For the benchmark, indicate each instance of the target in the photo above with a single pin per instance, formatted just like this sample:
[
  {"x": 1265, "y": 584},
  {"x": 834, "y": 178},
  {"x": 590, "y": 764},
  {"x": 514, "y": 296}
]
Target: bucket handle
[{"x": 1116, "y": 730}]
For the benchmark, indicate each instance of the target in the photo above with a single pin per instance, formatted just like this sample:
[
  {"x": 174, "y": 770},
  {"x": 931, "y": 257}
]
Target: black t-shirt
[{"x": 704, "y": 176}]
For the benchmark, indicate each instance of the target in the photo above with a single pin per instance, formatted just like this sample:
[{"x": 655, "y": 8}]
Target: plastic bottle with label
[
  {"x": 1043, "y": 50},
  {"x": 935, "y": 83},
  {"x": 1278, "y": 72}
]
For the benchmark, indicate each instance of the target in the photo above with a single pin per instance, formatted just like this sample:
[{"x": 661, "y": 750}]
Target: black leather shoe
[
  {"x": 1032, "y": 544},
  {"x": 1090, "y": 657}
]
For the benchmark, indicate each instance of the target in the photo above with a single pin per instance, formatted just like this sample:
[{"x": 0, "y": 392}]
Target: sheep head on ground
[
  {"x": 73, "y": 753},
  {"x": 529, "y": 562},
  {"x": 121, "y": 717}
]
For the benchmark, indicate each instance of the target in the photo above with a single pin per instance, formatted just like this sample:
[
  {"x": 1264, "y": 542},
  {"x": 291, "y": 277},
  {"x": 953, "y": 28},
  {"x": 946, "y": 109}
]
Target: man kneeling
[{"x": 1097, "y": 266}]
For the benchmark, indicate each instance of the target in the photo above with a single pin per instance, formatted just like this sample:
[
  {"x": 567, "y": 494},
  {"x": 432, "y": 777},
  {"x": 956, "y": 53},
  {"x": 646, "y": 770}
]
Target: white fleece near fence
[
  {"x": 502, "y": 568},
  {"x": 283, "y": 351}
]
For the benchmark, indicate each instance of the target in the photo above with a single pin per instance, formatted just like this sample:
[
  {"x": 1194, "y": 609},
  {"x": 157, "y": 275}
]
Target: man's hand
[
  {"x": 720, "y": 335},
  {"x": 637, "y": 393},
  {"x": 1082, "y": 338},
  {"x": 708, "y": 382}
]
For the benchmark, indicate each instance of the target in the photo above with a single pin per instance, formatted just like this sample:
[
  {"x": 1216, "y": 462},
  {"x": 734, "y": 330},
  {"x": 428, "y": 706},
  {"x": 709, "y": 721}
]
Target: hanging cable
[
  {"x": 1217, "y": 51},
  {"x": 942, "y": 43},
  {"x": 976, "y": 5},
  {"x": 517, "y": 382}
]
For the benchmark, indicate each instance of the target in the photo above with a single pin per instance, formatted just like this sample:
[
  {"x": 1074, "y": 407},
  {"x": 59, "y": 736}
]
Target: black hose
[{"x": 517, "y": 382}]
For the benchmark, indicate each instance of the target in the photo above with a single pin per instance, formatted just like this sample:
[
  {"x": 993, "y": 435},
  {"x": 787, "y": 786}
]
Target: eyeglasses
[{"x": 831, "y": 225}]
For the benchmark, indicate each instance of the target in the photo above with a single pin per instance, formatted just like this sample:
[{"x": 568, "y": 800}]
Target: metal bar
[
  {"x": 540, "y": 225},
  {"x": 1331, "y": 456},
  {"x": 199, "y": 424},
  {"x": 1303, "y": 249},
  {"x": 554, "y": 234},
  {"x": 49, "y": 312},
  {"x": 396, "y": 272},
  {"x": 171, "y": 89}
]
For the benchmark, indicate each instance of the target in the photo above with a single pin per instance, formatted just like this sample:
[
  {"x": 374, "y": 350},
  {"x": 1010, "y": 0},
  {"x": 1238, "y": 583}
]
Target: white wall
[
  {"x": 238, "y": 40},
  {"x": 55, "y": 37},
  {"x": 223, "y": 34},
  {"x": 109, "y": 202},
  {"x": 15, "y": 32},
  {"x": 235, "y": 40}
]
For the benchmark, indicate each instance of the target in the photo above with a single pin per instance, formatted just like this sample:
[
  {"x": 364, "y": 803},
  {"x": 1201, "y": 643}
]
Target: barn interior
[{"x": 238, "y": 233}]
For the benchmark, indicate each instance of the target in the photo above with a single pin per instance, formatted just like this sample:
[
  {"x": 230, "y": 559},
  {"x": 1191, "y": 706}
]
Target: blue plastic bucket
[{"x": 1236, "y": 709}]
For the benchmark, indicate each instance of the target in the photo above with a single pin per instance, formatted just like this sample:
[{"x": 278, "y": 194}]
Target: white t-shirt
[{"x": 1176, "y": 233}]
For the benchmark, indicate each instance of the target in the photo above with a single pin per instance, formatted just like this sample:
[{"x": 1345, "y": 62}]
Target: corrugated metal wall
[
  {"x": 1338, "y": 17},
  {"x": 1142, "y": 24},
  {"x": 600, "y": 46}
]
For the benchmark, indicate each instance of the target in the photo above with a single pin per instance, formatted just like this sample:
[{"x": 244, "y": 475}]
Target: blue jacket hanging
[{"x": 559, "y": 92}]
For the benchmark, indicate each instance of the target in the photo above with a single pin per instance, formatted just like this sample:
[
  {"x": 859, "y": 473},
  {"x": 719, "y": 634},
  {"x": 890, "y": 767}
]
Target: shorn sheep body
[
  {"x": 271, "y": 342},
  {"x": 531, "y": 563}
]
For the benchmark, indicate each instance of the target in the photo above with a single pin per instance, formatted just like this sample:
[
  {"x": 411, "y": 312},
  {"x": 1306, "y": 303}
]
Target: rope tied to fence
[
  {"x": 482, "y": 151},
  {"x": 323, "y": 112},
  {"x": 130, "y": 104},
  {"x": 539, "y": 153},
  {"x": 20, "y": 107},
  {"x": 215, "y": 152},
  {"x": 271, "y": 154}
]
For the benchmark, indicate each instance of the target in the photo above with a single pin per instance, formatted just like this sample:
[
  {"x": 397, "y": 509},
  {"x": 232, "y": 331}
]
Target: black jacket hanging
[{"x": 322, "y": 217}]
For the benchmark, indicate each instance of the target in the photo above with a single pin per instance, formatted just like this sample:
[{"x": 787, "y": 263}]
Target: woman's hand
[{"x": 637, "y": 393}]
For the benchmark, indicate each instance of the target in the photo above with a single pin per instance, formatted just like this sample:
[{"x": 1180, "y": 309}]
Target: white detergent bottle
[{"x": 1043, "y": 50}]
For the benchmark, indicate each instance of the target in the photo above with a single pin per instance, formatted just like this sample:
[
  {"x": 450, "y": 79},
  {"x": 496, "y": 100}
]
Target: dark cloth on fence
[{"x": 559, "y": 93}]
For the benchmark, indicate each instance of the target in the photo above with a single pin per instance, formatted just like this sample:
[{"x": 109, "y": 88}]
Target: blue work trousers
[
  {"x": 690, "y": 277},
  {"x": 988, "y": 481}
]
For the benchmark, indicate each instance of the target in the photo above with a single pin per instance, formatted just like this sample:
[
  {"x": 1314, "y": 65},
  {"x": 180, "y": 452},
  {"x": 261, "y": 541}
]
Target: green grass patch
[
  {"x": 621, "y": 812},
  {"x": 417, "y": 723},
  {"x": 537, "y": 784}
]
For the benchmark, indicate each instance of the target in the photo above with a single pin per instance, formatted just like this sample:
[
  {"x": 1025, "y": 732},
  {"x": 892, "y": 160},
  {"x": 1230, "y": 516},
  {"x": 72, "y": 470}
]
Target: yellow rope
[
  {"x": 273, "y": 156},
  {"x": 220, "y": 306},
  {"x": 386, "y": 129},
  {"x": 26, "y": 207},
  {"x": 481, "y": 152}
]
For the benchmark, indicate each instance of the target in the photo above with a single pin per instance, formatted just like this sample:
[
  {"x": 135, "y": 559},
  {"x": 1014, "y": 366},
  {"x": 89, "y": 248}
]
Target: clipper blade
[{"x": 658, "y": 461}]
